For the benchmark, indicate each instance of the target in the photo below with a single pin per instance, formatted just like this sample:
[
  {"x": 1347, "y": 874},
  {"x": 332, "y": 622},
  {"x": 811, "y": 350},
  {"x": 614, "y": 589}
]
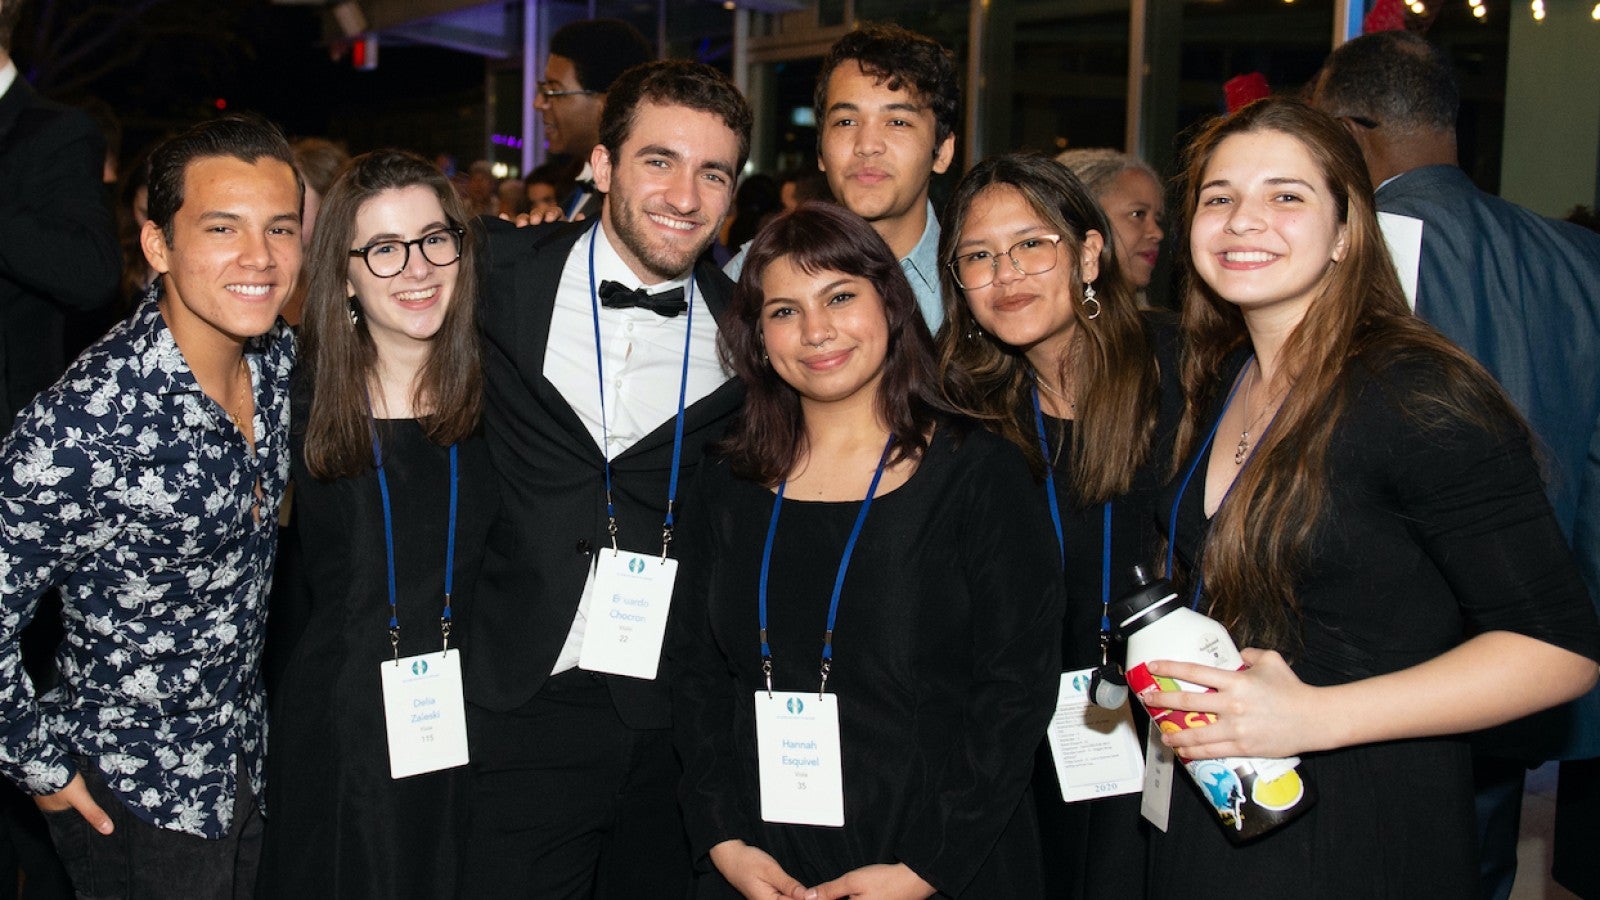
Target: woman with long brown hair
[
  {"x": 1048, "y": 347},
  {"x": 394, "y": 493},
  {"x": 1357, "y": 501},
  {"x": 851, "y": 513}
]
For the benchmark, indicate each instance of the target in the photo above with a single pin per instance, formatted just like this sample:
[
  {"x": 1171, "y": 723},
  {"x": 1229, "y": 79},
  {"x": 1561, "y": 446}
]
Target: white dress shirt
[{"x": 642, "y": 361}]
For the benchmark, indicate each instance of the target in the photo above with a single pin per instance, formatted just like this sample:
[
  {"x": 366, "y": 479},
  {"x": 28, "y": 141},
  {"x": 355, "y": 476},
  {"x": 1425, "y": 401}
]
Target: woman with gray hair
[{"x": 1130, "y": 193}]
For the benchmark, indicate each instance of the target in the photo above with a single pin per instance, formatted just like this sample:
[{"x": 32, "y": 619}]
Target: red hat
[
  {"x": 1244, "y": 89},
  {"x": 1386, "y": 15}
]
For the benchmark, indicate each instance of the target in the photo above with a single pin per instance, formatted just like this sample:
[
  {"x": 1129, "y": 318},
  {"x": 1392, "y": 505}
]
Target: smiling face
[
  {"x": 1265, "y": 227},
  {"x": 235, "y": 250},
  {"x": 879, "y": 147},
  {"x": 1133, "y": 204},
  {"x": 571, "y": 121},
  {"x": 825, "y": 333},
  {"x": 668, "y": 189},
  {"x": 1036, "y": 314},
  {"x": 409, "y": 307}
]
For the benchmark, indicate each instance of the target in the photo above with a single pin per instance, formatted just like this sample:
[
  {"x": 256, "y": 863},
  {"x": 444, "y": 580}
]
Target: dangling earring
[
  {"x": 1089, "y": 300},
  {"x": 975, "y": 332},
  {"x": 354, "y": 311}
]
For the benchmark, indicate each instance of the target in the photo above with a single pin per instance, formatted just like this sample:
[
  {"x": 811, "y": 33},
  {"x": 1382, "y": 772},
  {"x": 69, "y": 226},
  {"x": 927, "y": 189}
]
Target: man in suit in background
[
  {"x": 58, "y": 246},
  {"x": 1521, "y": 293},
  {"x": 592, "y": 413},
  {"x": 585, "y": 59}
]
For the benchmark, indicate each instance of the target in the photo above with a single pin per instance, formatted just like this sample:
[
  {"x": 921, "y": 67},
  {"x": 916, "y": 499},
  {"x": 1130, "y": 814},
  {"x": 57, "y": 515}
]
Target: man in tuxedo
[
  {"x": 58, "y": 247},
  {"x": 1521, "y": 293},
  {"x": 585, "y": 59},
  {"x": 600, "y": 400}
]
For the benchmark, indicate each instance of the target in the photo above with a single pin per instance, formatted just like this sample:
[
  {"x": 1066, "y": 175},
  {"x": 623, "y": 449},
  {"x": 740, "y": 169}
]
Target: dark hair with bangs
[
  {"x": 340, "y": 358},
  {"x": 900, "y": 58},
  {"x": 768, "y": 437}
]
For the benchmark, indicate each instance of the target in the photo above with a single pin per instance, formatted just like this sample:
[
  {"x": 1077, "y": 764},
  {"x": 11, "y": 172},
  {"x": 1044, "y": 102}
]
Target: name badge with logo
[
  {"x": 627, "y": 617},
  {"x": 1096, "y": 750},
  {"x": 800, "y": 764},
  {"x": 423, "y": 713}
]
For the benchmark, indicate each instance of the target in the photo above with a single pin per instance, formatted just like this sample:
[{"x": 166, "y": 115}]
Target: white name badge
[
  {"x": 1156, "y": 804},
  {"x": 1096, "y": 750},
  {"x": 627, "y": 619},
  {"x": 424, "y": 713},
  {"x": 801, "y": 769}
]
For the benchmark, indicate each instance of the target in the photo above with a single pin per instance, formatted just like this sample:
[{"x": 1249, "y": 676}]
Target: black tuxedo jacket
[
  {"x": 552, "y": 474},
  {"x": 58, "y": 248}
]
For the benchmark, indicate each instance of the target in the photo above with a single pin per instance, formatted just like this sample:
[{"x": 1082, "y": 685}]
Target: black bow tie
[{"x": 666, "y": 303}]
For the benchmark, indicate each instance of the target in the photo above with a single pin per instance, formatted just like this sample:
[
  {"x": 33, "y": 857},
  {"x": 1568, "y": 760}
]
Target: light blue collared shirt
[{"x": 921, "y": 267}]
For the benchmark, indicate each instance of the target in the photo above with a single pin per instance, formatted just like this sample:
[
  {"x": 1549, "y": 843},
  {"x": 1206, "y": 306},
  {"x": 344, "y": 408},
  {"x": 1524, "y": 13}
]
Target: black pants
[
  {"x": 138, "y": 861},
  {"x": 569, "y": 802}
]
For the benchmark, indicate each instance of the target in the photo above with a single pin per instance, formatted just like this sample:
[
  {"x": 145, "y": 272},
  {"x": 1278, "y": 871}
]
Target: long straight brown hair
[
  {"x": 1116, "y": 376},
  {"x": 768, "y": 437},
  {"x": 340, "y": 358},
  {"x": 1260, "y": 538}
]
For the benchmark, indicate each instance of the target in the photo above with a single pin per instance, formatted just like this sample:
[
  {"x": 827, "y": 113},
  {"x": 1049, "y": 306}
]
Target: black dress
[
  {"x": 1436, "y": 529},
  {"x": 945, "y": 656},
  {"x": 338, "y": 825},
  {"x": 1095, "y": 849}
]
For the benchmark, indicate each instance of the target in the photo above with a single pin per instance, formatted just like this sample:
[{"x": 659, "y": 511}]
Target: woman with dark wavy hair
[
  {"x": 1049, "y": 348},
  {"x": 1358, "y": 503},
  {"x": 394, "y": 493},
  {"x": 851, "y": 515}
]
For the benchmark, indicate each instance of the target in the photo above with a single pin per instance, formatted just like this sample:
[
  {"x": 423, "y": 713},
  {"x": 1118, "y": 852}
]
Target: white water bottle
[{"x": 1250, "y": 795}]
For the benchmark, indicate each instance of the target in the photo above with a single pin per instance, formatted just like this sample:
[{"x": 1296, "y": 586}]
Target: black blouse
[{"x": 945, "y": 665}]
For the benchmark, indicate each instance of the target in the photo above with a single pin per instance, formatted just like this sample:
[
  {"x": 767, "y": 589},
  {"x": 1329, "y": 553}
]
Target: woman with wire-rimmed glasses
[{"x": 1046, "y": 344}]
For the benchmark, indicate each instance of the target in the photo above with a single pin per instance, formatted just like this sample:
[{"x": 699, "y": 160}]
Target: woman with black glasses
[{"x": 394, "y": 494}]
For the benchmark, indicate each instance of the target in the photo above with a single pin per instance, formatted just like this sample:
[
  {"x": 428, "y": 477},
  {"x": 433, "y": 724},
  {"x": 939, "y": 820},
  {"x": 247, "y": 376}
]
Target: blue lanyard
[
  {"x": 838, "y": 581},
  {"x": 1172, "y": 520},
  {"x": 388, "y": 545},
  {"x": 1061, "y": 543},
  {"x": 677, "y": 429}
]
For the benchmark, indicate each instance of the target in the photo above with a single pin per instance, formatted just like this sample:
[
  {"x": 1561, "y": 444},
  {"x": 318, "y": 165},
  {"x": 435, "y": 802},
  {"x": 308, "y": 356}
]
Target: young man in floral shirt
[{"x": 146, "y": 484}]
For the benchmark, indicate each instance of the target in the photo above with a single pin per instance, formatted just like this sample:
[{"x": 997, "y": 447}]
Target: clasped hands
[{"x": 756, "y": 875}]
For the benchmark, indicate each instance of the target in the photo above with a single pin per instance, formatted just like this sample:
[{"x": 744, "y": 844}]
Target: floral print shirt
[{"x": 129, "y": 488}]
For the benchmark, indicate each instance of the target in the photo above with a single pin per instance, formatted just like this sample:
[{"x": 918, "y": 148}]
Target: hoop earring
[{"x": 1088, "y": 300}]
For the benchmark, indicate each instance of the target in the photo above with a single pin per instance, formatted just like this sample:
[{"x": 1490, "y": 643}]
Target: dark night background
[{"x": 163, "y": 64}]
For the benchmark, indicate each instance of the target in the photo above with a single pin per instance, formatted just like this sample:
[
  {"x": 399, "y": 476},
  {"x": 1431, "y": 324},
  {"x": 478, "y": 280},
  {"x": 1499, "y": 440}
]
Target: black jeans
[{"x": 139, "y": 861}]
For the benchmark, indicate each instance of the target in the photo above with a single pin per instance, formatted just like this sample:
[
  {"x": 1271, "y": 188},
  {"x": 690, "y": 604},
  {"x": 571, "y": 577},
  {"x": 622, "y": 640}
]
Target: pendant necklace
[
  {"x": 235, "y": 418},
  {"x": 1242, "y": 451},
  {"x": 1072, "y": 405}
]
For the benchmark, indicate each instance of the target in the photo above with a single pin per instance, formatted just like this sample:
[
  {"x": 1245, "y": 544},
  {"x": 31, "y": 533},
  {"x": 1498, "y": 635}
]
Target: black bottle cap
[{"x": 1141, "y": 605}]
